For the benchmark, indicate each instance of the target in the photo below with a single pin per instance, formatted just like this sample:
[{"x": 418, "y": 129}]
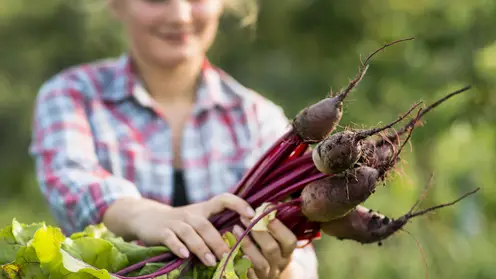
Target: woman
[{"x": 152, "y": 143}]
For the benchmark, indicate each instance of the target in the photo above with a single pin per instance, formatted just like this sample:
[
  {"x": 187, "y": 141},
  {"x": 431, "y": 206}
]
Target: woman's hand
[
  {"x": 185, "y": 229},
  {"x": 276, "y": 247}
]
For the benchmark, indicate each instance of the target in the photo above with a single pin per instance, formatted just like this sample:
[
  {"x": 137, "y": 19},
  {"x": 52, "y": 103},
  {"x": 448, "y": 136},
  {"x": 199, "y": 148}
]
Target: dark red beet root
[
  {"x": 357, "y": 225},
  {"x": 337, "y": 153},
  {"x": 314, "y": 123},
  {"x": 384, "y": 157},
  {"x": 341, "y": 151},
  {"x": 365, "y": 226},
  {"x": 334, "y": 196},
  {"x": 376, "y": 157}
]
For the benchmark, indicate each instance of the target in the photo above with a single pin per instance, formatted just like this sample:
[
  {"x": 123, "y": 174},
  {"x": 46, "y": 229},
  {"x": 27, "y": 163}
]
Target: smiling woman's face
[{"x": 169, "y": 32}]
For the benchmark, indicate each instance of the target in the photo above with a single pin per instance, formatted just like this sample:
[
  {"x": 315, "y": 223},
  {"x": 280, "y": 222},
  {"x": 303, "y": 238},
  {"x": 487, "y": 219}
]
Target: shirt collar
[{"x": 217, "y": 89}]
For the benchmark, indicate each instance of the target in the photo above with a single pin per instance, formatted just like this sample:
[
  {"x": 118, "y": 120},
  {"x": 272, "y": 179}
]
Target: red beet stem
[
  {"x": 248, "y": 229},
  {"x": 164, "y": 270},
  {"x": 158, "y": 258},
  {"x": 298, "y": 152},
  {"x": 254, "y": 184},
  {"x": 286, "y": 191},
  {"x": 288, "y": 135},
  {"x": 304, "y": 160},
  {"x": 255, "y": 199}
]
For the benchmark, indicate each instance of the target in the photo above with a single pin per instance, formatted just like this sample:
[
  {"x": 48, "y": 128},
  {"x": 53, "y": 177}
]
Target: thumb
[{"x": 228, "y": 201}]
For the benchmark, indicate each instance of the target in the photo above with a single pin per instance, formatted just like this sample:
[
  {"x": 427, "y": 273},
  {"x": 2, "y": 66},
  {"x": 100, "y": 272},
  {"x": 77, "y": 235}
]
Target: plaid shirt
[{"x": 98, "y": 136}]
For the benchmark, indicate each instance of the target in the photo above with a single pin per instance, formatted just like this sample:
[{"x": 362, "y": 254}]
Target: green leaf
[
  {"x": 10, "y": 271},
  {"x": 261, "y": 225},
  {"x": 95, "y": 231},
  {"x": 150, "y": 268},
  {"x": 8, "y": 245},
  {"x": 136, "y": 253},
  {"x": 230, "y": 270},
  {"x": 203, "y": 272},
  {"x": 97, "y": 252},
  {"x": 241, "y": 267},
  {"x": 81, "y": 270},
  {"x": 172, "y": 275},
  {"x": 47, "y": 243},
  {"x": 29, "y": 265},
  {"x": 23, "y": 233}
]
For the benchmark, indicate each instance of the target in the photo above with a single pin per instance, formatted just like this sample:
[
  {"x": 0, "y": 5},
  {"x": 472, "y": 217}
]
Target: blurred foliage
[{"x": 298, "y": 51}]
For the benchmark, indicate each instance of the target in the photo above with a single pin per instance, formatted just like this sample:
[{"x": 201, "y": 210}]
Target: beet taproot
[
  {"x": 341, "y": 151},
  {"x": 367, "y": 226},
  {"x": 334, "y": 196}
]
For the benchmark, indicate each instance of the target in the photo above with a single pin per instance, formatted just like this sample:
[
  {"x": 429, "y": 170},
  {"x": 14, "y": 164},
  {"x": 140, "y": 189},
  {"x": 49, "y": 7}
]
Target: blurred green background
[{"x": 297, "y": 52}]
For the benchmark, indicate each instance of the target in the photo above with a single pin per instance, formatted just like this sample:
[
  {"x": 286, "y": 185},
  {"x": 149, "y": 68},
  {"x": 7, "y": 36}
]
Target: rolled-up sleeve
[
  {"x": 77, "y": 188},
  {"x": 273, "y": 124}
]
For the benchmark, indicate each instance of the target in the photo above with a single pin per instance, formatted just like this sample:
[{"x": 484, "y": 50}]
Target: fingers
[
  {"x": 286, "y": 239},
  {"x": 194, "y": 242},
  {"x": 252, "y": 274},
  {"x": 284, "y": 236},
  {"x": 270, "y": 249},
  {"x": 232, "y": 202},
  {"x": 209, "y": 234},
  {"x": 261, "y": 266},
  {"x": 170, "y": 240}
]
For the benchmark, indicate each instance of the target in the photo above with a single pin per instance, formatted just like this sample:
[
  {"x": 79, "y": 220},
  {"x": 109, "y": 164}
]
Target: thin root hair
[
  {"x": 367, "y": 133},
  {"x": 427, "y": 210},
  {"x": 385, "y": 46}
]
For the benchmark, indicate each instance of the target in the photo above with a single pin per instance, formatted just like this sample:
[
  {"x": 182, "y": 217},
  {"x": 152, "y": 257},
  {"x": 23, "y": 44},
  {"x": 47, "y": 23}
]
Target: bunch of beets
[{"x": 314, "y": 180}]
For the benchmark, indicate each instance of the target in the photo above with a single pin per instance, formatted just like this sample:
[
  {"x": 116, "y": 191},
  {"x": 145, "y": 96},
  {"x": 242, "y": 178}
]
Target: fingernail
[
  {"x": 210, "y": 259},
  {"x": 184, "y": 253},
  {"x": 250, "y": 212},
  {"x": 237, "y": 230}
]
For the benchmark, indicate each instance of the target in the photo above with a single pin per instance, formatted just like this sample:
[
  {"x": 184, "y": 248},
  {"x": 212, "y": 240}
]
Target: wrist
[
  {"x": 140, "y": 214},
  {"x": 123, "y": 217}
]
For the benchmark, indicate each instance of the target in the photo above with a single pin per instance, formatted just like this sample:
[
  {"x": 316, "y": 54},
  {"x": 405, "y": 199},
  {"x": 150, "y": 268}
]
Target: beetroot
[
  {"x": 366, "y": 226},
  {"x": 341, "y": 151},
  {"x": 334, "y": 196},
  {"x": 314, "y": 123}
]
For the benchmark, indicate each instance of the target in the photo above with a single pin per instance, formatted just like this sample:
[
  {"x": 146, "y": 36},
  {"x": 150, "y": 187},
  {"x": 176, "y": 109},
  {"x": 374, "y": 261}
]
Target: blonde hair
[{"x": 245, "y": 10}]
